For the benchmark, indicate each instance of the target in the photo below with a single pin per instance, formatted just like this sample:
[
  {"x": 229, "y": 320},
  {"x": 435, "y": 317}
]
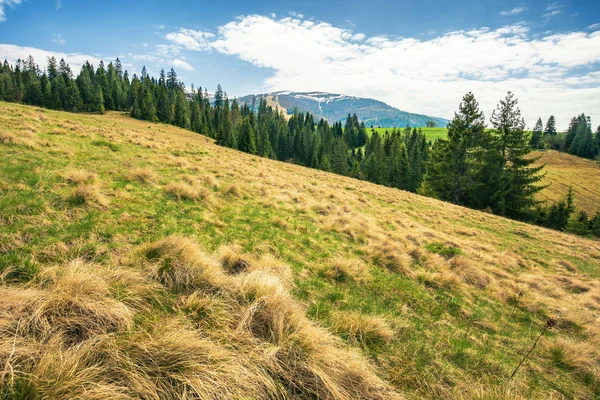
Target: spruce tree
[
  {"x": 537, "y": 134},
  {"x": 247, "y": 140},
  {"x": 518, "y": 179},
  {"x": 450, "y": 169},
  {"x": 550, "y": 129}
]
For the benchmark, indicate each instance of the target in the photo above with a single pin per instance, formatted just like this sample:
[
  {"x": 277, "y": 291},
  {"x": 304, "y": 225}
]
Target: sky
[{"x": 420, "y": 56}]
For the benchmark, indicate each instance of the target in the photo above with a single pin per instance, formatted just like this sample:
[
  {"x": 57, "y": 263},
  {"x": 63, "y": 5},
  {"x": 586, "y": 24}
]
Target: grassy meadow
[
  {"x": 139, "y": 260},
  {"x": 432, "y": 134},
  {"x": 564, "y": 170}
]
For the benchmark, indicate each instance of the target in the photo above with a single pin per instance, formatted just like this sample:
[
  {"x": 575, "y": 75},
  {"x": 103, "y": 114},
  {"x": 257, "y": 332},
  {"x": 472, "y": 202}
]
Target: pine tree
[
  {"x": 518, "y": 178},
  {"x": 560, "y": 212},
  {"x": 578, "y": 224},
  {"x": 579, "y": 139},
  {"x": 339, "y": 157},
  {"x": 98, "y": 104},
  {"x": 182, "y": 118},
  {"x": 247, "y": 140},
  {"x": 146, "y": 104},
  {"x": 537, "y": 135},
  {"x": 550, "y": 129},
  {"x": 450, "y": 169}
]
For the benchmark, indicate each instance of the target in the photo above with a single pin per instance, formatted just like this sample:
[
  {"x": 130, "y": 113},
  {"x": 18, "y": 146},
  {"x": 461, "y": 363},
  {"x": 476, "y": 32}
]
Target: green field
[{"x": 432, "y": 134}]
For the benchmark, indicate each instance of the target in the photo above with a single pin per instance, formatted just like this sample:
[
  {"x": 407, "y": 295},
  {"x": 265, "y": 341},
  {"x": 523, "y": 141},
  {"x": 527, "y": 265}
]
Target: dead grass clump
[
  {"x": 78, "y": 176},
  {"x": 179, "y": 266},
  {"x": 392, "y": 256},
  {"x": 175, "y": 362},
  {"x": 75, "y": 306},
  {"x": 366, "y": 330},
  {"x": 171, "y": 362},
  {"x": 231, "y": 190},
  {"x": 306, "y": 359},
  {"x": 143, "y": 175},
  {"x": 212, "y": 311},
  {"x": 233, "y": 259},
  {"x": 438, "y": 280},
  {"x": 579, "y": 357},
  {"x": 342, "y": 269},
  {"x": 274, "y": 266},
  {"x": 210, "y": 181},
  {"x": 88, "y": 195},
  {"x": 469, "y": 274},
  {"x": 7, "y": 138},
  {"x": 182, "y": 191}
]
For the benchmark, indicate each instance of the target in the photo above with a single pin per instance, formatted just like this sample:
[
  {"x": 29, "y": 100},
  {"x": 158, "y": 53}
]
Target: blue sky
[{"x": 418, "y": 56}]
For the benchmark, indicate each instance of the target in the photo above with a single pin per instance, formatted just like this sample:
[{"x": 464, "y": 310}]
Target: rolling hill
[
  {"x": 564, "y": 170},
  {"x": 139, "y": 260},
  {"x": 336, "y": 107}
]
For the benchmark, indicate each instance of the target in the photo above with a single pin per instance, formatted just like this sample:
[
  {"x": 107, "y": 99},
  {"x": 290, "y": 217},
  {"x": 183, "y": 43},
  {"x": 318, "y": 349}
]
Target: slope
[
  {"x": 564, "y": 170},
  {"x": 139, "y": 260},
  {"x": 336, "y": 107}
]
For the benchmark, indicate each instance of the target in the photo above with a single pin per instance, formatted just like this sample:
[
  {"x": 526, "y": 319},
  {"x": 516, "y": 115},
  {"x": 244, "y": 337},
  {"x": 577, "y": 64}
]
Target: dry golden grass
[
  {"x": 78, "y": 176},
  {"x": 341, "y": 269},
  {"x": 6, "y": 137},
  {"x": 143, "y": 175},
  {"x": 76, "y": 341},
  {"x": 89, "y": 195},
  {"x": 364, "y": 329},
  {"x": 564, "y": 170},
  {"x": 184, "y": 191}
]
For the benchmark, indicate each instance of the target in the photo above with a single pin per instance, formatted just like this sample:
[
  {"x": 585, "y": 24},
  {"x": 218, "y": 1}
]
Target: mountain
[{"x": 336, "y": 107}]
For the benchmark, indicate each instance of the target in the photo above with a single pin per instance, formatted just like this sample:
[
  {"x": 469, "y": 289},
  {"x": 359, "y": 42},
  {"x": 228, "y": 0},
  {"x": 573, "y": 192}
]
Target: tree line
[
  {"x": 578, "y": 140},
  {"x": 476, "y": 167}
]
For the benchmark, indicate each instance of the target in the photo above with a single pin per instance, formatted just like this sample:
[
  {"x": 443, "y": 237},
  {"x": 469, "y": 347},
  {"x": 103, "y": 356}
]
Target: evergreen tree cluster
[
  {"x": 579, "y": 139},
  {"x": 56, "y": 88},
  {"x": 475, "y": 166},
  {"x": 485, "y": 168}
]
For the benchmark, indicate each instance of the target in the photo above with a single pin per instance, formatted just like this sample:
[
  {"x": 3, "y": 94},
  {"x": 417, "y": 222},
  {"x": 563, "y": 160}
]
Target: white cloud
[
  {"x": 426, "y": 76},
  {"x": 12, "y": 53},
  {"x": 594, "y": 26},
  {"x": 59, "y": 4},
  {"x": 191, "y": 39},
  {"x": 552, "y": 14},
  {"x": 4, "y": 4},
  {"x": 167, "y": 50},
  {"x": 159, "y": 26},
  {"x": 514, "y": 11},
  {"x": 177, "y": 63},
  {"x": 58, "y": 39},
  {"x": 554, "y": 6}
]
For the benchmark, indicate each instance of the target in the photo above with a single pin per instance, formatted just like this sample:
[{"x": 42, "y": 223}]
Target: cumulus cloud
[
  {"x": 4, "y": 4},
  {"x": 177, "y": 63},
  {"x": 191, "y": 39},
  {"x": 514, "y": 11},
  {"x": 552, "y": 74}
]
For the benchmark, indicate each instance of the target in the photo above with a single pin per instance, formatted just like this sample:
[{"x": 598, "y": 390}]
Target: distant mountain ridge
[{"x": 336, "y": 107}]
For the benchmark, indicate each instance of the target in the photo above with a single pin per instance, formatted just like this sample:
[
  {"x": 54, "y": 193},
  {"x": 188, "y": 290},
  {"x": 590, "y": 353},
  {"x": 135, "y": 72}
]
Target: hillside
[
  {"x": 564, "y": 170},
  {"x": 139, "y": 260},
  {"x": 336, "y": 107}
]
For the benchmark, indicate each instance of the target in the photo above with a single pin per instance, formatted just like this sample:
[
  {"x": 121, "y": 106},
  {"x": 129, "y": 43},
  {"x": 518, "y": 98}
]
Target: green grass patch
[{"x": 443, "y": 250}]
